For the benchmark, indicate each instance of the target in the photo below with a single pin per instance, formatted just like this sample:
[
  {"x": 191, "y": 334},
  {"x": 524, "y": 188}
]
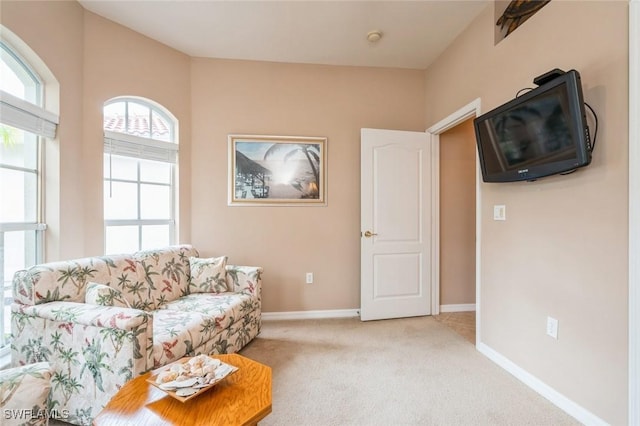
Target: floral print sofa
[{"x": 101, "y": 321}]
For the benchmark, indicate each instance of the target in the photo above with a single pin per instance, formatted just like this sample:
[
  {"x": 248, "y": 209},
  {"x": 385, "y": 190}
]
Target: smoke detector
[{"x": 374, "y": 36}]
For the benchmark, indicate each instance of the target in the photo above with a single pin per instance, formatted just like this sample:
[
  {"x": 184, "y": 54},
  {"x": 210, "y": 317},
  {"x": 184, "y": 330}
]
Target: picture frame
[{"x": 277, "y": 170}]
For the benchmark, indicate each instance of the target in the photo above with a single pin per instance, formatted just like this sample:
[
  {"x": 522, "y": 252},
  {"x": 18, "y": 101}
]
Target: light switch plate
[
  {"x": 499, "y": 212},
  {"x": 552, "y": 327}
]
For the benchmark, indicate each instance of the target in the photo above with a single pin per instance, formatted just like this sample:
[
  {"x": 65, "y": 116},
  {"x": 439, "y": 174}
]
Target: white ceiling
[{"x": 299, "y": 31}]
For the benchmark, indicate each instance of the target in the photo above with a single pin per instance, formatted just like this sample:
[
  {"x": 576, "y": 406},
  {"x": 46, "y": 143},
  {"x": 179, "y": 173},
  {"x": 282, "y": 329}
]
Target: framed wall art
[{"x": 277, "y": 170}]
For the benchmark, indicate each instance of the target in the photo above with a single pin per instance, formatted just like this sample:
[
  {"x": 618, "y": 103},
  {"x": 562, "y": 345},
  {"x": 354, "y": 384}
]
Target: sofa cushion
[
  {"x": 208, "y": 275},
  {"x": 224, "y": 309},
  {"x": 166, "y": 272},
  {"x": 25, "y": 388},
  {"x": 176, "y": 333},
  {"x": 103, "y": 295},
  {"x": 67, "y": 280}
]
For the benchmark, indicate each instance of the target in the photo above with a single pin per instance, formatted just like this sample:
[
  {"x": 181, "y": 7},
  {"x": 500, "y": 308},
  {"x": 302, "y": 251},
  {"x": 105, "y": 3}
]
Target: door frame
[
  {"x": 468, "y": 111},
  {"x": 634, "y": 212}
]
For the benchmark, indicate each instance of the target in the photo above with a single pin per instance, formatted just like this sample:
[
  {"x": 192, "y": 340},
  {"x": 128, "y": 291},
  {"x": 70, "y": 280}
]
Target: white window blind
[
  {"x": 18, "y": 113},
  {"x": 135, "y": 146}
]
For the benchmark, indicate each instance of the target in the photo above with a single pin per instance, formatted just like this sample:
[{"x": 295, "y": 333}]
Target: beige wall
[
  {"x": 121, "y": 62},
  {"x": 302, "y": 100},
  {"x": 562, "y": 251},
  {"x": 458, "y": 215},
  {"x": 93, "y": 60},
  {"x": 62, "y": 52}
]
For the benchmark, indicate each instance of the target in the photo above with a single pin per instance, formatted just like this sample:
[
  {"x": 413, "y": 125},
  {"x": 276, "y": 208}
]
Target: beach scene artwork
[{"x": 268, "y": 170}]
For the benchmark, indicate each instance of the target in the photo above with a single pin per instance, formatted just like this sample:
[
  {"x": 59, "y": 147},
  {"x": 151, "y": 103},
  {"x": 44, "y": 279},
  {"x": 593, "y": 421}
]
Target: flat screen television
[{"x": 541, "y": 133}]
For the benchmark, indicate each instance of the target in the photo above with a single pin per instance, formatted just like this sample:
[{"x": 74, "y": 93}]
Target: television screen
[{"x": 540, "y": 133}]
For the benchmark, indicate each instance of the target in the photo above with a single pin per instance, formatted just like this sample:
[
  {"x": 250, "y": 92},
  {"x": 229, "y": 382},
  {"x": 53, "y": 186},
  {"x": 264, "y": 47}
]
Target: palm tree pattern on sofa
[{"x": 94, "y": 350}]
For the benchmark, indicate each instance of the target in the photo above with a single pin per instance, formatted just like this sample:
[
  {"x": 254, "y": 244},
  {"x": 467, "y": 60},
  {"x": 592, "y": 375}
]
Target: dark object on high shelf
[{"x": 517, "y": 12}]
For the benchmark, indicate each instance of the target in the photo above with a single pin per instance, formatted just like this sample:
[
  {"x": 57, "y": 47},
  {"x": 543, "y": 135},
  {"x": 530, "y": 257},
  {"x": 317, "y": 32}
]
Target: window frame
[
  {"x": 143, "y": 149},
  {"x": 32, "y": 118}
]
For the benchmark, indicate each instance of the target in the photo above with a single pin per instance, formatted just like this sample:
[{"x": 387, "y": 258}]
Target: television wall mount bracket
[{"x": 548, "y": 76}]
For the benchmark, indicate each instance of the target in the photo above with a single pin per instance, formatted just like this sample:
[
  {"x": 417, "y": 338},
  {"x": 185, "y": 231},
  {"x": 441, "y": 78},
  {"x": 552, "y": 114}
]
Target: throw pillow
[
  {"x": 103, "y": 295},
  {"x": 208, "y": 275},
  {"x": 23, "y": 394}
]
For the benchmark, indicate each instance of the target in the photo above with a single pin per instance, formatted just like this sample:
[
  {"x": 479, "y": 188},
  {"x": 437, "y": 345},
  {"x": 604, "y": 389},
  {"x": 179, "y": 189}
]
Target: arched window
[
  {"x": 24, "y": 126},
  {"x": 140, "y": 158}
]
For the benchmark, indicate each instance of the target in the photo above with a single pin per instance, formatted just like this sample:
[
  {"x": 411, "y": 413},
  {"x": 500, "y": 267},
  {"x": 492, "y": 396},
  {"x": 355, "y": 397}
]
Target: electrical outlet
[
  {"x": 309, "y": 277},
  {"x": 552, "y": 327}
]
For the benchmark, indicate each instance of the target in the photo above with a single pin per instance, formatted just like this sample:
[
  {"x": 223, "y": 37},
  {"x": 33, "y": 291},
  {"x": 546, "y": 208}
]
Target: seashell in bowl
[
  {"x": 186, "y": 383},
  {"x": 169, "y": 386},
  {"x": 166, "y": 376},
  {"x": 186, "y": 391}
]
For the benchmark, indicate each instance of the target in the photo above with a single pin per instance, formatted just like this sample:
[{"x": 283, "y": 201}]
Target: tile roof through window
[{"x": 139, "y": 125}]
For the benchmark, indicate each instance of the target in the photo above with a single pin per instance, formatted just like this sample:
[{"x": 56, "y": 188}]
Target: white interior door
[{"x": 395, "y": 224}]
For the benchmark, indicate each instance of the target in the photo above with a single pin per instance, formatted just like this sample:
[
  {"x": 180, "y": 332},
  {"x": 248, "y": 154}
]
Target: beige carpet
[
  {"x": 412, "y": 371},
  {"x": 463, "y": 323}
]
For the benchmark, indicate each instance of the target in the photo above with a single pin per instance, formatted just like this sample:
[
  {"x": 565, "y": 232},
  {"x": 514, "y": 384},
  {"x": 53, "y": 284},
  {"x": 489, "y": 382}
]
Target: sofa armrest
[
  {"x": 86, "y": 314},
  {"x": 121, "y": 329},
  {"x": 245, "y": 279},
  {"x": 25, "y": 388},
  {"x": 94, "y": 350}
]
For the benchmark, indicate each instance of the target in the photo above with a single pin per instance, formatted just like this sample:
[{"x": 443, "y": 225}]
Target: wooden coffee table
[{"x": 243, "y": 398}]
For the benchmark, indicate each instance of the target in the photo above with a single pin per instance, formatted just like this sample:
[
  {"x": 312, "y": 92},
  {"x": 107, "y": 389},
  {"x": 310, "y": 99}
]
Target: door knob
[{"x": 369, "y": 234}]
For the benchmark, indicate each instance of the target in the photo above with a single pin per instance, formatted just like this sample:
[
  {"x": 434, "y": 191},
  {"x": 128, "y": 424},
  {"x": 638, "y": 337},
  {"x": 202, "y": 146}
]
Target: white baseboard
[
  {"x": 570, "y": 407},
  {"x": 296, "y": 315},
  {"x": 458, "y": 308}
]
